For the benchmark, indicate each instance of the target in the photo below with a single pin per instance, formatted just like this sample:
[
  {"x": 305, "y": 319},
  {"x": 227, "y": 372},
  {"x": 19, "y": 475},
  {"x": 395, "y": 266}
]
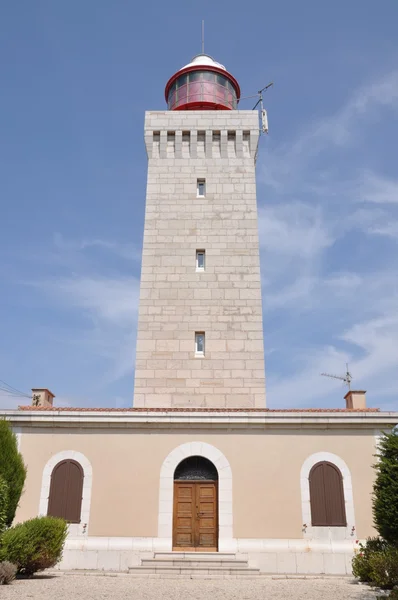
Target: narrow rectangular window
[
  {"x": 199, "y": 343},
  {"x": 200, "y": 260},
  {"x": 201, "y": 188}
]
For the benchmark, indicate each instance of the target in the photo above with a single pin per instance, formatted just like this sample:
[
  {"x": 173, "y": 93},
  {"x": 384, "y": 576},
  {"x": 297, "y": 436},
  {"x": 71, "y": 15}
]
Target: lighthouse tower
[{"x": 200, "y": 331}]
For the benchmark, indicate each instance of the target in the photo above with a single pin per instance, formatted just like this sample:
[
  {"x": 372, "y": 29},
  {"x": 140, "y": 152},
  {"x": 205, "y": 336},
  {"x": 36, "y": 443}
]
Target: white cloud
[
  {"x": 389, "y": 229},
  {"x": 294, "y": 229},
  {"x": 110, "y": 305},
  {"x": 297, "y": 295},
  {"x": 285, "y": 166},
  {"x": 112, "y": 299},
  {"x": 305, "y": 387},
  {"x": 96, "y": 298},
  {"x": 334, "y": 290},
  {"x": 123, "y": 250},
  {"x": 373, "y": 363},
  {"x": 378, "y": 189}
]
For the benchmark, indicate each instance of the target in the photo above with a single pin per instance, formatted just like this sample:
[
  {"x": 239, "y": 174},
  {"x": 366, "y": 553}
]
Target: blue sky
[{"x": 76, "y": 78}]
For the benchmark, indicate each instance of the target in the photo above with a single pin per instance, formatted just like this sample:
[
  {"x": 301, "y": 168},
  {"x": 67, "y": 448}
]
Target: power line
[
  {"x": 12, "y": 391},
  {"x": 12, "y": 394}
]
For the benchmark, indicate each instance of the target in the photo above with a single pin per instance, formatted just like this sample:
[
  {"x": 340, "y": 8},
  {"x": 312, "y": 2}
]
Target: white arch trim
[
  {"x": 332, "y": 533},
  {"x": 225, "y": 516},
  {"x": 75, "y": 529}
]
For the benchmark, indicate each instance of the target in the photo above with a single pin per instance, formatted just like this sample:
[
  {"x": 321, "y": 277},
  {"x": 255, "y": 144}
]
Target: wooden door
[{"x": 195, "y": 522}]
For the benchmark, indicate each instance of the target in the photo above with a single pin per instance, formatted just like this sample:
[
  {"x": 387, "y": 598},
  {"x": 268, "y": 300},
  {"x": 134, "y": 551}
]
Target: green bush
[
  {"x": 384, "y": 568},
  {"x": 3, "y": 503},
  {"x": 12, "y": 468},
  {"x": 385, "y": 489},
  {"x": 361, "y": 562},
  {"x": 7, "y": 572},
  {"x": 34, "y": 545}
]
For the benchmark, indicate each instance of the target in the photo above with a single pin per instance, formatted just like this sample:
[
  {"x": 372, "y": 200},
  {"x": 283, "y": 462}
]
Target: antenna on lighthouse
[
  {"x": 263, "y": 112},
  {"x": 347, "y": 377},
  {"x": 203, "y": 36}
]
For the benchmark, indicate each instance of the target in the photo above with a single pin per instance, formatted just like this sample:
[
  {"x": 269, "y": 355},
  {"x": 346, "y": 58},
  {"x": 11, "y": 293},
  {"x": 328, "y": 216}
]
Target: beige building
[{"x": 199, "y": 475}]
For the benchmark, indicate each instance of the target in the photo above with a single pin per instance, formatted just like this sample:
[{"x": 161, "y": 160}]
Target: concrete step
[
  {"x": 194, "y": 565},
  {"x": 195, "y": 555},
  {"x": 180, "y": 576},
  {"x": 188, "y": 562},
  {"x": 198, "y": 571}
]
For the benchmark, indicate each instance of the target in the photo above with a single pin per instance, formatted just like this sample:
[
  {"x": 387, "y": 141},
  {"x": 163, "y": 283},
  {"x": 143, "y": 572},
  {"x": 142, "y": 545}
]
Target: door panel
[
  {"x": 206, "y": 524},
  {"x": 195, "y": 523},
  {"x": 184, "y": 514}
]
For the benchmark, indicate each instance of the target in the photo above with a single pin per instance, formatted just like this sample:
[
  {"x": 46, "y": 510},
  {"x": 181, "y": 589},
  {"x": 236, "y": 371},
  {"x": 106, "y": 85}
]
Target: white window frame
[
  {"x": 329, "y": 532},
  {"x": 199, "y": 252},
  {"x": 75, "y": 530},
  {"x": 200, "y": 352},
  {"x": 200, "y": 182}
]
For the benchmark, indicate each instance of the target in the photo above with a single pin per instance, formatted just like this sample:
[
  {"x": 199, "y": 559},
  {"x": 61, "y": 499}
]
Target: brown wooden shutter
[
  {"x": 317, "y": 496},
  {"x": 66, "y": 491},
  {"x": 327, "y": 496}
]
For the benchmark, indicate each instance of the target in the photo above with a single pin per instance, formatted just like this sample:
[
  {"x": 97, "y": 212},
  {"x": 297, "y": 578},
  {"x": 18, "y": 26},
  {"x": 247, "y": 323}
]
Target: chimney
[
  {"x": 42, "y": 397},
  {"x": 355, "y": 399}
]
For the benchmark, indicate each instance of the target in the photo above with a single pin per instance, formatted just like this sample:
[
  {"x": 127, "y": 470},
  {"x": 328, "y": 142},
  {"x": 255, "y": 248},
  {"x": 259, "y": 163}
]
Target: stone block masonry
[{"x": 221, "y": 300}]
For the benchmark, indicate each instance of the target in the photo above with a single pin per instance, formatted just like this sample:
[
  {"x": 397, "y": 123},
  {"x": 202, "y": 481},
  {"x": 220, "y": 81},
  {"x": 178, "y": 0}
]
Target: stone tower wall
[{"x": 224, "y": 300}]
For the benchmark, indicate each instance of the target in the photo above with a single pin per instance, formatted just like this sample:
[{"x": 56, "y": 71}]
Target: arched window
[
  {"x": 66, "y": 491},
  {"x": 327, "y": 496},
  {"x": 196, "y": 468}
]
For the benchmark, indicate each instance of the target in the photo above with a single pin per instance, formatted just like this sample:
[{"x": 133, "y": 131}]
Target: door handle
[{"x": 200, "y": 514}]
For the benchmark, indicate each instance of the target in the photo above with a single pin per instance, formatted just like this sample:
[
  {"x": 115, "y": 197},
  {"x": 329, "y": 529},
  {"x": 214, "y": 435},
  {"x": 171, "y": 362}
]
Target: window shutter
[
  {"x": 327, "y": 496},
  {"x": 334, "y": 492},
  {"x": 66, "y": 491},
  {"x": 317, "y": 496}
]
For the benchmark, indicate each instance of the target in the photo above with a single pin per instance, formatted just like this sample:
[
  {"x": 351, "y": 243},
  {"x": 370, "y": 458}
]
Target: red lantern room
[{"x": 204, "y": 84}]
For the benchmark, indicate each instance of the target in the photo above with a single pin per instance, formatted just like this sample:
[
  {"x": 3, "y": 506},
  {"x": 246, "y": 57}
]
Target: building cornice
[{"x": 166, "y": 419}]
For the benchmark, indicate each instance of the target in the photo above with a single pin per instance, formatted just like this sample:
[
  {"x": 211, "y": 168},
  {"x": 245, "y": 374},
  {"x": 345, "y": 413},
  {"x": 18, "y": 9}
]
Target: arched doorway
[{"x": 195, "y": 509}]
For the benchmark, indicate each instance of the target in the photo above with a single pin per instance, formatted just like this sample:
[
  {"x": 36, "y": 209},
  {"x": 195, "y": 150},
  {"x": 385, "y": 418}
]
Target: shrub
[
  {"x": 361, "y": 562},
  {"x": 385, "y": 489},
  {"x": 12, "y": 468},
  {"x": 3, "y": 504},
  {"x": 34, "y": 545},
  {"x": 7, "y": 572},
  {"x": 384, "y": 568}
]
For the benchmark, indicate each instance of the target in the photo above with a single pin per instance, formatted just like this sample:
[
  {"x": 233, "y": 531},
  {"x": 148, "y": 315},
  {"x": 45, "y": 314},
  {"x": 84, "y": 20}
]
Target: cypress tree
[
  {"x": 385, "y": 489},
  {"x": 3, "y": 504},
  {"x": 12, "y": 469}
]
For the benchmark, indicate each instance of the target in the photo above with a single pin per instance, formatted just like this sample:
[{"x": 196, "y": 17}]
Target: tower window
[
  {"x": 200, "y": 260},
  {"x": 201, "y": 188},
  {"x": 199, "y": 343}
]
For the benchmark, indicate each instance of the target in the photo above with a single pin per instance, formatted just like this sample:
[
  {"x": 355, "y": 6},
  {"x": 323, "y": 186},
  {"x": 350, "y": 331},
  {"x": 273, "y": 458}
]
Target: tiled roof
[{"x": 206, "y": 410}]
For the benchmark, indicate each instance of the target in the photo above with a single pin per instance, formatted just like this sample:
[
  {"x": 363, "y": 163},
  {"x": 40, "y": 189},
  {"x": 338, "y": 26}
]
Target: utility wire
[
  {"x": 6, "y": 392},
  {"x": 12, "y": 391}
]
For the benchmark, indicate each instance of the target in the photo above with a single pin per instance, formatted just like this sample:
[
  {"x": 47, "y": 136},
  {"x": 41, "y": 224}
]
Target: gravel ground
[{"x": 74, "y": 587}]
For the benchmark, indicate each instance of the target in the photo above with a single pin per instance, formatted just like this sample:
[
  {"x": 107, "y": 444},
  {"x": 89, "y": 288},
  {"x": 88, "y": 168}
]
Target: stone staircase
[{"x": 194, "y": 565}]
